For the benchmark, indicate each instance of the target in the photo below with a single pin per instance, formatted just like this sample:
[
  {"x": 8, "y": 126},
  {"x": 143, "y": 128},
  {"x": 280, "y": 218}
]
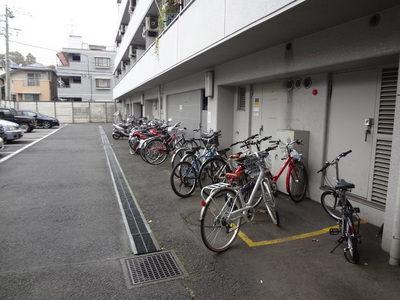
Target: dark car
[
  {"x": 26, "y": 123},
  {"x": 41, "y": 119}
]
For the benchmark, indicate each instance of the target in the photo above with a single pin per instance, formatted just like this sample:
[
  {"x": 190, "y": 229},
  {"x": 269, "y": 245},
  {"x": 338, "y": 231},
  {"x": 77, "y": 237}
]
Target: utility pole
[{"x": 8, "y": 81}]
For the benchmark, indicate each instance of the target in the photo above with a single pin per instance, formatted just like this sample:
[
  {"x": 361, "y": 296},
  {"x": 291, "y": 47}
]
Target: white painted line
[{"x": 27, "y": 146}]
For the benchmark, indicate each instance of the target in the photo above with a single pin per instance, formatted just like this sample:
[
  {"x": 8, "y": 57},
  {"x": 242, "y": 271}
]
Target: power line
[{"x": 44, "y": 48}]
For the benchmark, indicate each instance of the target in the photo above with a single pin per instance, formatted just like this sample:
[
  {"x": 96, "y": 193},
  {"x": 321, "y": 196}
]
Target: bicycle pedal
[{"x": 334, "y": 231}]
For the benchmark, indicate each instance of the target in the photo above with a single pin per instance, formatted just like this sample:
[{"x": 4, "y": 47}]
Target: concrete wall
[{"x": 74, "y": 112}]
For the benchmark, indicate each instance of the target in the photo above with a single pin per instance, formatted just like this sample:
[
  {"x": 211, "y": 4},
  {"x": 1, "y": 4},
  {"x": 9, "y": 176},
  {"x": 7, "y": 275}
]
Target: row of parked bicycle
[{"x": 233, "y": 186}]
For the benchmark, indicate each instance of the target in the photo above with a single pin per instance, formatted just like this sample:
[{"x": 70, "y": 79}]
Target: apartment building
[
  {"x": 323, "y": 70},
  {"x": 85, "y": 72}
]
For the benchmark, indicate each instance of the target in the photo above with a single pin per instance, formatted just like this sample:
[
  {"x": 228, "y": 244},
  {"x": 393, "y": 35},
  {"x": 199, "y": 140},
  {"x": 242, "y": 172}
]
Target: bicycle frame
[
  {"x": 288, "y": 162},
  {"x": 246, "y": 206}
]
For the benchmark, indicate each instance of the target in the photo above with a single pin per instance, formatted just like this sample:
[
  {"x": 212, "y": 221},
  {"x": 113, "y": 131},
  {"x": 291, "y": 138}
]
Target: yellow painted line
[{"x": 251, "y": 243}]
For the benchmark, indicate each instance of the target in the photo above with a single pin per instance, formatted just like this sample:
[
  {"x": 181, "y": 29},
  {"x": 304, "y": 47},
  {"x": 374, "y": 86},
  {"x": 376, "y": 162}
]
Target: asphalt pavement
[{"x": 64, "y": 235}]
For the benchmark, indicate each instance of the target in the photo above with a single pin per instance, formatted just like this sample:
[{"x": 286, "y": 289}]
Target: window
[
  {"x": 102, "y": 62},
  {"x": 76, "y": 79},
  {"x": 31, "y": 97},
  {"x": 103, "y": 83},
  {"x": 76, "y": 57},
  {"x": 34, "y": 79},
  {"x": 241, "y": 99}
]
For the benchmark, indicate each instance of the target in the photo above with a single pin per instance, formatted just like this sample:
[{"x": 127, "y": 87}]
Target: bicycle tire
[
  {"x": 297, "y": 182},
  {"x": 183, "y": 179},
  {"x": 177, "y": 156},
  {"x": 212, "y": 171},
  {"x": 330, "y": 203},
  {"x": 351, "y": 252},
  {"x": 156, "y": 152},
  {"x": 217, "y": 231},
  {"x": 270, "y": 204},
  {"x": 141, "y": 149}
]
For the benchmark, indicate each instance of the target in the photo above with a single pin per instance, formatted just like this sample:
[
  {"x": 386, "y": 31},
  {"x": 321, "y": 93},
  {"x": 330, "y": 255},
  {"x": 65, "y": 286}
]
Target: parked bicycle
[
  {"x": 296, "y": 176},
  {"x": 158, "y": 149},
  {"x": 187, "y": 174},
  {"x": 225, "y": 207},
  {"x": 336, "y": 204}
]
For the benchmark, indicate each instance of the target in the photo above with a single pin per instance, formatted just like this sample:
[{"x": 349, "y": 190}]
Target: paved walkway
[{"x": 63, "y": 235}]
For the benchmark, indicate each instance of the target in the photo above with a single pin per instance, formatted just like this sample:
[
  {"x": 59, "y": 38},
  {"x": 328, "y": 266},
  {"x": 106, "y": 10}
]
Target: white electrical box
[{"x": 278, "y": 156}]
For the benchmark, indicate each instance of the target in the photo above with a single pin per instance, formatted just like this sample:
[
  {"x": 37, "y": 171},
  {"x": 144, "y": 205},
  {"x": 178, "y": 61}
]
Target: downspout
[{"x": 395, "y": 245}]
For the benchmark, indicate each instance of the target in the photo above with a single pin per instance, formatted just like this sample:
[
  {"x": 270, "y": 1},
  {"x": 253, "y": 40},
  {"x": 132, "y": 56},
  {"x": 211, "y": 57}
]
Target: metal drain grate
[{"x": 152, "y": 268}]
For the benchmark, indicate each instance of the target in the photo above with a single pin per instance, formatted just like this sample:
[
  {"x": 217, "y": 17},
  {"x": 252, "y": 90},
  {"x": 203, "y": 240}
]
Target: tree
[
  {"x": 19, "y": 59},
  {"x": 30, "y": 59}
]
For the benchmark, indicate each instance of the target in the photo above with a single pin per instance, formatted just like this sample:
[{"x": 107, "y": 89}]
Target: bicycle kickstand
[{"x": 339, "y": 242}]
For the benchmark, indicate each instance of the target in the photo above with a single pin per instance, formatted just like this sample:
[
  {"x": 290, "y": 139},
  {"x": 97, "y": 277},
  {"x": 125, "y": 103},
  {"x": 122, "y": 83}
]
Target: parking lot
[{"x": 28, "y": 139}]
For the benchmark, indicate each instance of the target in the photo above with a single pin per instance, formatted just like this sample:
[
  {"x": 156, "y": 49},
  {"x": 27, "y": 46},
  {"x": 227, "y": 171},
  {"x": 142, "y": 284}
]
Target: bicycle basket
[
  {"x": 252, "y": 165},
  {"x": 214, "y": 141}
]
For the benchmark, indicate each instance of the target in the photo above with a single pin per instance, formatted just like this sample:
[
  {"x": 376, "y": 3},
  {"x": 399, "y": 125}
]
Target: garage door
[{"x": 185, "y": 108}]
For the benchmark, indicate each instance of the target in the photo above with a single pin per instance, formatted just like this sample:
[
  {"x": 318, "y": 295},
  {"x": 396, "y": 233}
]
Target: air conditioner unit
[
  {"x": 132, "y": 6},
  {"x": 122, "y": 29},
  {"x": 132, "y": 51},
  {"x": 151, "y": 23},
  {"x": 123, "y": 65}
]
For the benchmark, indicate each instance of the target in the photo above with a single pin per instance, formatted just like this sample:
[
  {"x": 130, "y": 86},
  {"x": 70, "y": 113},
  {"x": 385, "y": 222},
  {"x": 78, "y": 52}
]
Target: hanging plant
[{"x": 167, "y": 10}]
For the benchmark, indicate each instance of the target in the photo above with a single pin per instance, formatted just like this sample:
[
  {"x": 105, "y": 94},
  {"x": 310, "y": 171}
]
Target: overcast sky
[{"x": 42, "y": 27}]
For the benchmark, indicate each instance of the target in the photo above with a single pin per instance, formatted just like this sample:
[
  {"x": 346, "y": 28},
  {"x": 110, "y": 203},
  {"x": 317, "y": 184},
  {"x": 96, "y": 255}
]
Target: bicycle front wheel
[
  {"x": 297, "y": 182},
  {"x": 213, "y": 171},
  {"x": 183, "y": 179},
  {"x": 330, "y": 203},
  {"x": 177, "y": 156},
  {"x": 218, "y": 229},
  {"x": 270, "y": 203}
]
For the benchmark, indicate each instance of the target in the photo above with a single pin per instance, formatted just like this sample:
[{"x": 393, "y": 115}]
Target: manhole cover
[{"x": 152, "y": 268}]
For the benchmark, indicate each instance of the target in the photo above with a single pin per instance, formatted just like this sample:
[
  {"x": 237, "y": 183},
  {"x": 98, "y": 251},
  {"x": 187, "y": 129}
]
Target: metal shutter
[{"x": 385, "y": 126}]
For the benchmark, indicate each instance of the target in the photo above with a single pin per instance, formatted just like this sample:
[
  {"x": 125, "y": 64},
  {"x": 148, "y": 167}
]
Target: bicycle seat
[
  {"x": 193, "y": 150},
  {"x": 223, "y": 151},
  {"x": 233, "y": 175},
  {"x": 343, "y": 185}
]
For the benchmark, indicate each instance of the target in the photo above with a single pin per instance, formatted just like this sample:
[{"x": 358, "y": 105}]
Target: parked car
[
  {"x": 41, "y": 119},
  {"x": 26, "y": 123},
  {"x": 1, "y": 144},
  {"x": 13, "y": 131},
  {"x": 2, "y": 132}
]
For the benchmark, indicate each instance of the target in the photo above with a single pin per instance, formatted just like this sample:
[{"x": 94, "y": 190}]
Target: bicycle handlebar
[{"x": 335, "y": 161}]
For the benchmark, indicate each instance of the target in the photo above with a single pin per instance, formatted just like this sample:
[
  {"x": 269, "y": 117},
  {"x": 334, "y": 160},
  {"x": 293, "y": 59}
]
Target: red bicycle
[{"x": 296, "y": 176}]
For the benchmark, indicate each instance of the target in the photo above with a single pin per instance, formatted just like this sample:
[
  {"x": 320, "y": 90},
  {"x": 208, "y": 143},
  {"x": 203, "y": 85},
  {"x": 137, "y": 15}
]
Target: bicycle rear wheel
[
  {"x": 351, "y": 252},
  {"x": 156, "y": 152},
  {"x": 330, "y": 203},
  {"x": 270, "y": 203},
  {"x": 213, "y": 171},
  {"x": 297, "y": 182},
  {"x": 218, "y": 230},
  {"x": 183, "y": 179}
]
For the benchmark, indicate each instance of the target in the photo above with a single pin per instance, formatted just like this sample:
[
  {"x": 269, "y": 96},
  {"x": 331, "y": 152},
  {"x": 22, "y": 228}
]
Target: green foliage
[{"x": 19, "y": 59}]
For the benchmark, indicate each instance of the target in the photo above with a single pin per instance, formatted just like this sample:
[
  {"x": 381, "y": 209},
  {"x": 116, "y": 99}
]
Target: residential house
[{"x": 34, "y": 82}]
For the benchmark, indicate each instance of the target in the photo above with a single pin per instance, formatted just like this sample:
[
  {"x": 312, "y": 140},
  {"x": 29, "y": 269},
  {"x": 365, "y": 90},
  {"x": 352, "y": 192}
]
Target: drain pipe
[{"x": 395, "y": 245}]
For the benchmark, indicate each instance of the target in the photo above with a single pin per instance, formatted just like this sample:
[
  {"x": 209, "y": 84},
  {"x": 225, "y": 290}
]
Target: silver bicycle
[{"x": 226, "y": 206}]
